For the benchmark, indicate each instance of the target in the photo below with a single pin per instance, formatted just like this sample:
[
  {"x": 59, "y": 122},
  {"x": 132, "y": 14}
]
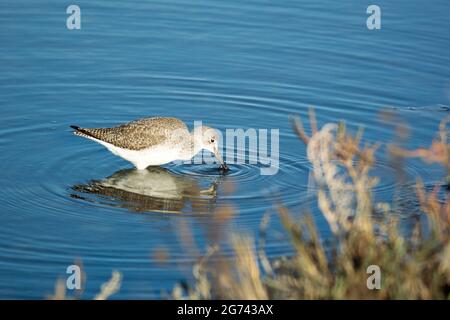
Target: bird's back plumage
[{"x": 135, "y": 135}]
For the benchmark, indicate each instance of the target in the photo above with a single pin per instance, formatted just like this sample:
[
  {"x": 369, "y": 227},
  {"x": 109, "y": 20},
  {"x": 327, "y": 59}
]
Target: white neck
[{"x": 190, "y": 148}]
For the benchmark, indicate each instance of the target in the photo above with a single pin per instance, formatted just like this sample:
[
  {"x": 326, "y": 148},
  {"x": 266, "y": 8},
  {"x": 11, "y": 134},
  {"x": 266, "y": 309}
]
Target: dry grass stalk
[
  {"x": 247, "y": 283},
  {"x": 438, "y": 152},
  {"x": 111, "y": 287}
]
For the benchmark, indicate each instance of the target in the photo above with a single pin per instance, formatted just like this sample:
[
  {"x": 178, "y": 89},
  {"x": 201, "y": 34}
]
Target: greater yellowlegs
[{"x": 154, "y": 141}]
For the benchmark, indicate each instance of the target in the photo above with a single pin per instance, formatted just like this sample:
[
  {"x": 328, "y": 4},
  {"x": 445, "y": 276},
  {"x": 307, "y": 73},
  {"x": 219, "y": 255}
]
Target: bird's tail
[{"x": 81, "y": 132}]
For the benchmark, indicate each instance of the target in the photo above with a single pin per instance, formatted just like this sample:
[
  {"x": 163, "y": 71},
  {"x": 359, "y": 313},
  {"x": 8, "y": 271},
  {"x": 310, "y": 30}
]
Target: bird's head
[{"x": 208, "y": 138}]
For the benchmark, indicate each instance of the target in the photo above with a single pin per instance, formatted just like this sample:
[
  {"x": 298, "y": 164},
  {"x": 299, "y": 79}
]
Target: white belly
[
  {"x": 141, "y": 159},
  {"x": 148, "y": 157}
]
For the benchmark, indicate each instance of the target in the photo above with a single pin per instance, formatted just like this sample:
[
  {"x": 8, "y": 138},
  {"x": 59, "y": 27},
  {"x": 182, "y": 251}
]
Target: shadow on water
[{"x": 155, "y": 189}]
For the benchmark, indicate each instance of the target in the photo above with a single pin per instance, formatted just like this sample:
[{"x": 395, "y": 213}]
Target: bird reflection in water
[{"x": 155, "y": 189}]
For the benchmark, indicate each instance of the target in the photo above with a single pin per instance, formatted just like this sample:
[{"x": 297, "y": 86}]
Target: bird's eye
[{"x": 212, "y": 140}]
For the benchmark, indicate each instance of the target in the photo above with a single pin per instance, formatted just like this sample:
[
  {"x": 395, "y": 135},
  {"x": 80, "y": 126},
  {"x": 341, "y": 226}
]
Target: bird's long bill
[{"x": 223, "y": 165}]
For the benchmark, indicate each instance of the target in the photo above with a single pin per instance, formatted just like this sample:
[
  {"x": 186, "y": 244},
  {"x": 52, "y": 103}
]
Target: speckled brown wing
[{"x": 135, "y": 135}]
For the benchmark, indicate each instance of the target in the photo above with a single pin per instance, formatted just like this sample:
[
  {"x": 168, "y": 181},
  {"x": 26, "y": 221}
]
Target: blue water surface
[{"x": 230, "y": 64}]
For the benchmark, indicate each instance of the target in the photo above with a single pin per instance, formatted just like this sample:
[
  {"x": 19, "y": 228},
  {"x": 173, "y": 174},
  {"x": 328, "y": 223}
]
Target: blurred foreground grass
[{"x": 365, "y": 233}]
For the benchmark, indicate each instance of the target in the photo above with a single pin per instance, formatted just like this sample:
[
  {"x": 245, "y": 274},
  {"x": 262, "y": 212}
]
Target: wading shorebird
[{"x": 154, "y": 141}]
